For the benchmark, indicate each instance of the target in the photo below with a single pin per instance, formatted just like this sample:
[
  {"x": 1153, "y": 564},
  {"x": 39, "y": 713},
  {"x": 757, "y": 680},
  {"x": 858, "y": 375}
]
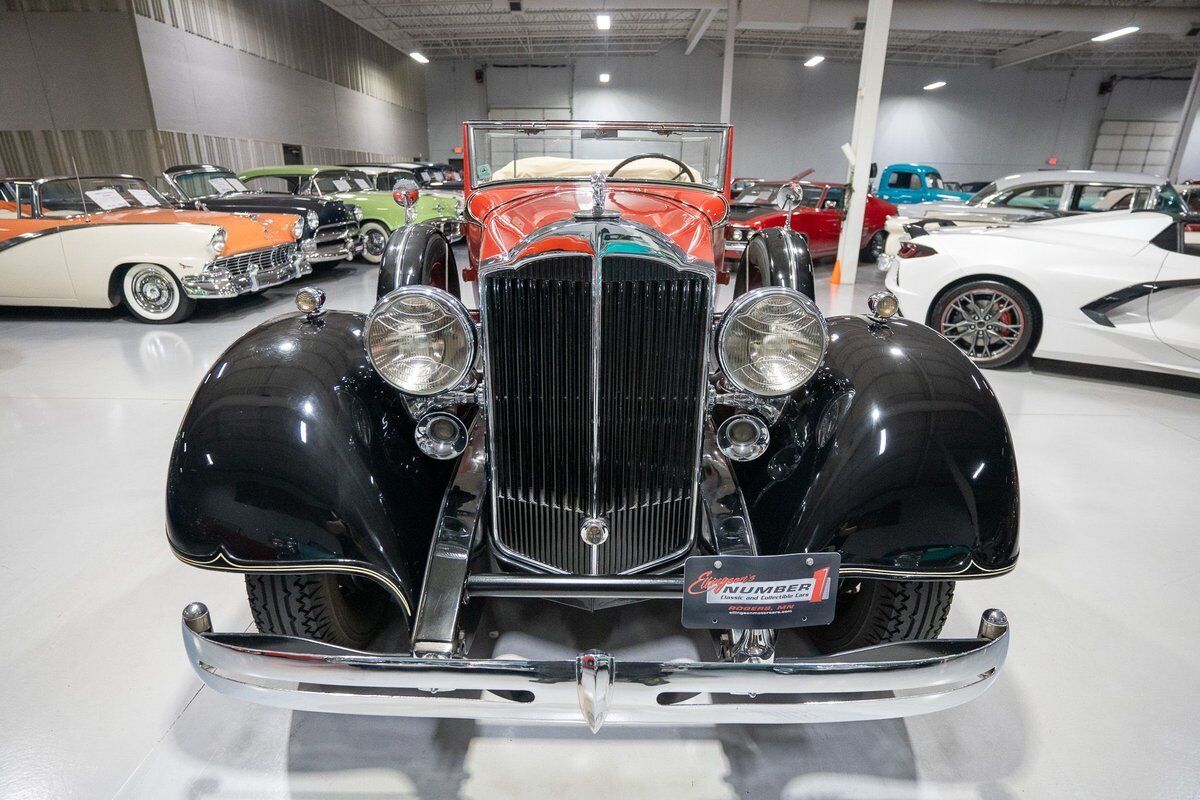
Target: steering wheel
[{"x": 683, "y": 168}]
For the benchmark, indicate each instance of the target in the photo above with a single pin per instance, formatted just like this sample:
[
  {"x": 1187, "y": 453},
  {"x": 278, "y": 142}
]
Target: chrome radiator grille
[
  {"x": 268, "y": 258},
  {"x": 562, "y": 452}
]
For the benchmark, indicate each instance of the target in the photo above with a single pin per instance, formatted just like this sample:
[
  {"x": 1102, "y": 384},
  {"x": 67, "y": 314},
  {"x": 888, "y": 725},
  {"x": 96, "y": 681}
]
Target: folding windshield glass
[
  {"x": 208, "y": 184},
  {"x": 66, "y": 197},
  {"x": 777, "y": 195},
  {"x": 505, "y": 151}
]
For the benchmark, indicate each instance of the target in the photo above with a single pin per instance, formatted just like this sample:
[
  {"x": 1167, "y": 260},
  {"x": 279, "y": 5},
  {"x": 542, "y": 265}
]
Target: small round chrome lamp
[
  {"x": 440, "y": 435},
  {"x": 743, "y": 437},
  {"x": 311, "y": 301},
  {"x": 882, "y": 306}
]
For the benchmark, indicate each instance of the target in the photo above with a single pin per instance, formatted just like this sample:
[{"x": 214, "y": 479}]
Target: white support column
[
  {"x": 866, "y": 112},
  {"x": 1187, "y": 124},
  {"x": 727, "y": 65}
]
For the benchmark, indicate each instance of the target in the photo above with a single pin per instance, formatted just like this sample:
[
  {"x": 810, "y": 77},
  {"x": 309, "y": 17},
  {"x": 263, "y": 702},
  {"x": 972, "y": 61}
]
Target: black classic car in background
[
  {"x": 428, "y": 175},
  {"x": 330, "y": 226},
  {"x": 605, "y": 429}
]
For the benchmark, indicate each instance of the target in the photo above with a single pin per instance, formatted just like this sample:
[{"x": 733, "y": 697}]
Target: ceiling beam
[
  {"x": 704, "y": 18},
  {"x": 1039, "y": 48}
]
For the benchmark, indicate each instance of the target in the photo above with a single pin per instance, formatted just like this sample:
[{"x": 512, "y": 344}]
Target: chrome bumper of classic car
[
  {"x": 881, "y": 682},
  {"x": 335, "y": 242},
  {"x": 247, "y": 272}
]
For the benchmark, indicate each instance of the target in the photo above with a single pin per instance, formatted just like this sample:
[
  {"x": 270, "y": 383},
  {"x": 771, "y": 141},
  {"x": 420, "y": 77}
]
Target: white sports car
[{"x": 1117, "y": 289}]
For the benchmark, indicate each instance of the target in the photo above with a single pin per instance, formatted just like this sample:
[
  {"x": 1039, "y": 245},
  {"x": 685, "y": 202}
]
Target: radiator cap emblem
[{"x": 594, "y": 531}]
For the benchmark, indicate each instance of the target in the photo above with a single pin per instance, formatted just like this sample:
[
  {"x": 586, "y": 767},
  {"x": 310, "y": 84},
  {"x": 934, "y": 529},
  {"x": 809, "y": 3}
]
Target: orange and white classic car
[{"x": 73, "y": 242}]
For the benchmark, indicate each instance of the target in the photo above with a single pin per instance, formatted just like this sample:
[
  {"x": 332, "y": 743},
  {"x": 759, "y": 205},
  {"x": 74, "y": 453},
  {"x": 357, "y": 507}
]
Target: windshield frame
[{"x": 473, "y": 127}]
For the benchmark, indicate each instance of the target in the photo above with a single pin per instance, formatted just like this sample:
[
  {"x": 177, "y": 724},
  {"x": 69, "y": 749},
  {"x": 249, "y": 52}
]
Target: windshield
[
  {"x": 776, "y": 195},
  {"x": 342, "y": 180},
  {"x": 1169, "y": 200},
  {"x": 501, "y": 151},
  {"x": 196, "y": 185},
  {"x": 62, "y": 197},
  {"x": 935, "y": 180},
  {"x": 981, "y": 195}
]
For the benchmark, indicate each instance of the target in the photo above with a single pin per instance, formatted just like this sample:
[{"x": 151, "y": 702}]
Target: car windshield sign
[
  {"x": 209, "y": 184},
  {"x": 538, "y": 150}
]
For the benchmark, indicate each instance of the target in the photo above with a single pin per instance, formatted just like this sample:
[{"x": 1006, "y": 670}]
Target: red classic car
[{"x": 817, "y": 209}]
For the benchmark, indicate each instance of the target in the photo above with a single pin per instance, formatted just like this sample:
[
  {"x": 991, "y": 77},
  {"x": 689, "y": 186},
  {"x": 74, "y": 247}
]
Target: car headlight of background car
[
  {"x": 421, "y": 340},
  {"x": 216, "y": 245},
  {"x": 357, "y": 212},
  {"x": 312, "y": 219},
  {"x": 771, "y": 341},
  {"x": 298, "y": 228},
  {"x": 738, "y": 234}
]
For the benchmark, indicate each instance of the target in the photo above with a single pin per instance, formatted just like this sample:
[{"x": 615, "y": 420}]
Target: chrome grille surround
[{"x": 584, "y": 465}]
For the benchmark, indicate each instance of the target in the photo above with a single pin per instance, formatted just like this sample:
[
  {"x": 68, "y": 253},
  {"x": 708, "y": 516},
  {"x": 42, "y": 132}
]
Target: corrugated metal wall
[
  {"x": 240, "y": 154},
  {"x": 39, "y": 153},
  {"x": 309, "y": 37}
]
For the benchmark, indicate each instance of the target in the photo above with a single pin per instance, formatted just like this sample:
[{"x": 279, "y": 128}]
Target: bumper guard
[{"x": 881, "y": 682}]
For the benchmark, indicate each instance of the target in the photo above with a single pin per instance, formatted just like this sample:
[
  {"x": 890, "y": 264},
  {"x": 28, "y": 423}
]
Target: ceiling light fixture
[
  {"x": 1104, "y": 37},
  {"x": 417, "y": 57},
  {"x": 929, "y": 87},
  {"x": 812, "y": 62},
  {"x": 603, "y": 21},
  {"x": 604, "y": 77}
]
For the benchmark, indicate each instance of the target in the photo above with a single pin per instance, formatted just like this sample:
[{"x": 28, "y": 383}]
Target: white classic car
[
  {"x": 1118, "y": 289},
  {"x": 69, "y": 242},
  {"x": 1032, "y": 196}
]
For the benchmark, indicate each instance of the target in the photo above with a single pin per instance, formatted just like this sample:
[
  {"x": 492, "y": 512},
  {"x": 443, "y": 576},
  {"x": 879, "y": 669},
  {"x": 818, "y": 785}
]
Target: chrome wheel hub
[
  {"x": 986, "y": 324},
  {"x": 375, "y": 242},
  {"x": 153, "y": 291}
]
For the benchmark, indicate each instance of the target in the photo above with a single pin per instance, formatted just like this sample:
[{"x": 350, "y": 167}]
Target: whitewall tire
[
  {"x": 374, "y": 236},
  {"x": 152, "y": 294}
]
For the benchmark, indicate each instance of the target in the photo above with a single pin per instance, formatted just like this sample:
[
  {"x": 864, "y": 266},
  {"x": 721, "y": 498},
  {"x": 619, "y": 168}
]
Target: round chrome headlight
[
  {"x": 771, "y": 341},
  {"x": 421, "y": 340},
  {"x": 313, "y": 220},
  {"x": 298, "y": 228},
  {"x": 357, "y": 212},
  {"x": 216, "y": 245}
]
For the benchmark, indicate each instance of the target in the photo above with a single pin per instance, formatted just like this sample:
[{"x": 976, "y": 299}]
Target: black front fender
[
  {"x": 776, "y": 257},
  {"x": 417, "y": 254},
  {"x": 295, "y": 456},
  {"x": 896, "y": 454}
]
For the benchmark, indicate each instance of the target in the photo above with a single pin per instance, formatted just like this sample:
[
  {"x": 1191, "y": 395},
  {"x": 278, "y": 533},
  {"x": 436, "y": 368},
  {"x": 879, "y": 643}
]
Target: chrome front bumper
[
  {"x": 339, "y": 244},
  {"x": 220, "y": 282},
  {"x": 881, "y": 682}
]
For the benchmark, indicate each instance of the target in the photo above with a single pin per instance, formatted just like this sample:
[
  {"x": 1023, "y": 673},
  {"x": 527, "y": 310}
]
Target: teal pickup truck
[{"x": 915, "y": 183}]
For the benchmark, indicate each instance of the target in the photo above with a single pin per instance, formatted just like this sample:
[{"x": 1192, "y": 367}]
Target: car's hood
[
  {"x": 1119, "y": 232},
  {"x": 244, "y": 232},
  {"x": 685, "y": 215},
  {"x": 328, "y": 211}
]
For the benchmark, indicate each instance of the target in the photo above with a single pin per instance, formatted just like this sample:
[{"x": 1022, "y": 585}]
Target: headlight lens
[
  {"x": 312, "y": 219},
  {"x": 357, "y": 212},
  {"x": 421, "y": 340},
  {"x": 298, "y": 228},
  {"x": 771, "y": 341},
  {"x": 216, "y": 244}
]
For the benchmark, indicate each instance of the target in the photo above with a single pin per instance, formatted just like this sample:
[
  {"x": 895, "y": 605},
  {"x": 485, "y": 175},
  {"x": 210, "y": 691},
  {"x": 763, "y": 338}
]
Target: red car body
[{"x": 818, "y": 216}]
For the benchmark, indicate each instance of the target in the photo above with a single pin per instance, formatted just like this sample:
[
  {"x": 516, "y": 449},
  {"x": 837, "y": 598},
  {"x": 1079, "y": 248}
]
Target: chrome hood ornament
[{"x": 599, "y": 184}]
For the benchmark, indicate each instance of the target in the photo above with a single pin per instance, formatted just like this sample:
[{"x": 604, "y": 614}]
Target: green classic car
[{"x": 381, "y": 213}]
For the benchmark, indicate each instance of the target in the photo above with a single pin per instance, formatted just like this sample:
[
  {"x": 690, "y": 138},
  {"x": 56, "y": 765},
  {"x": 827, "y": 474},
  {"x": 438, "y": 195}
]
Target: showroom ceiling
[{"x": 488, "y": 29}]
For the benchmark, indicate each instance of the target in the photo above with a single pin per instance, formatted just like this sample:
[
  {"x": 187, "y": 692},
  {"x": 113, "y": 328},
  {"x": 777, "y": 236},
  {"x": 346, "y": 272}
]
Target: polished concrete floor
[{"x": 1098, "y": 700}]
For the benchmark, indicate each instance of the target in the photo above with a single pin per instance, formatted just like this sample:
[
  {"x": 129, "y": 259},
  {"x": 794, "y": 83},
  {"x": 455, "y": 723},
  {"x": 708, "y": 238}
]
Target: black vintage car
[
  {"x": 605, "y": 427},
  {"x": 330, "y": 226},
  {"x": 428, "y": 175}
]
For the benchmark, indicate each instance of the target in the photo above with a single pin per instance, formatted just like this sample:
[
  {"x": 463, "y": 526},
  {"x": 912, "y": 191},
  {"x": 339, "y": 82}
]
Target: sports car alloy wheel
[{"x": 987, "y": 322}]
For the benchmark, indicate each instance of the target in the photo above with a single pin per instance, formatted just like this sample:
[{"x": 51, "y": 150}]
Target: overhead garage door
[{"x": 1131, "y": 145}]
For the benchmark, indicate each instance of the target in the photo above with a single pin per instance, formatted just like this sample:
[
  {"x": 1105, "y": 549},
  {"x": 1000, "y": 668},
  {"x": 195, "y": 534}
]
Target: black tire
[
  {"x": 152, "y": 294},
  {"x": 990, "y": 335},
  {"x": 874, "y": 612},
  {"x": 339, "y": 609},
  {"x": 874, "y": 248}
]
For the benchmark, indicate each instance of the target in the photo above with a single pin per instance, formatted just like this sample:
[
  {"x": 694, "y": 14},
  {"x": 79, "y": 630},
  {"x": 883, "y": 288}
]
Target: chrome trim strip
[{"x": 882, "y": 682}]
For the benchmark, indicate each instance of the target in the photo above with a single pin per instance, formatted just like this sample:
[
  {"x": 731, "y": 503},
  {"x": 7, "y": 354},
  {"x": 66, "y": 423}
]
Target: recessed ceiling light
[
  {"x": 417, "y": 57},
  {"x": 1104, "y": 37},
  {"x": 604, "y": 77},
  {"x": 603, "y": 21},
  {"x": 812, "y": 62},
  {"x": 929, "y": 87}
]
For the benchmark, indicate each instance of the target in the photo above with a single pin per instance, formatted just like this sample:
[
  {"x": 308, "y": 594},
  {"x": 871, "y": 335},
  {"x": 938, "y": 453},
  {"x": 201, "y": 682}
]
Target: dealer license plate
[{"x": 787, "y": 591}]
